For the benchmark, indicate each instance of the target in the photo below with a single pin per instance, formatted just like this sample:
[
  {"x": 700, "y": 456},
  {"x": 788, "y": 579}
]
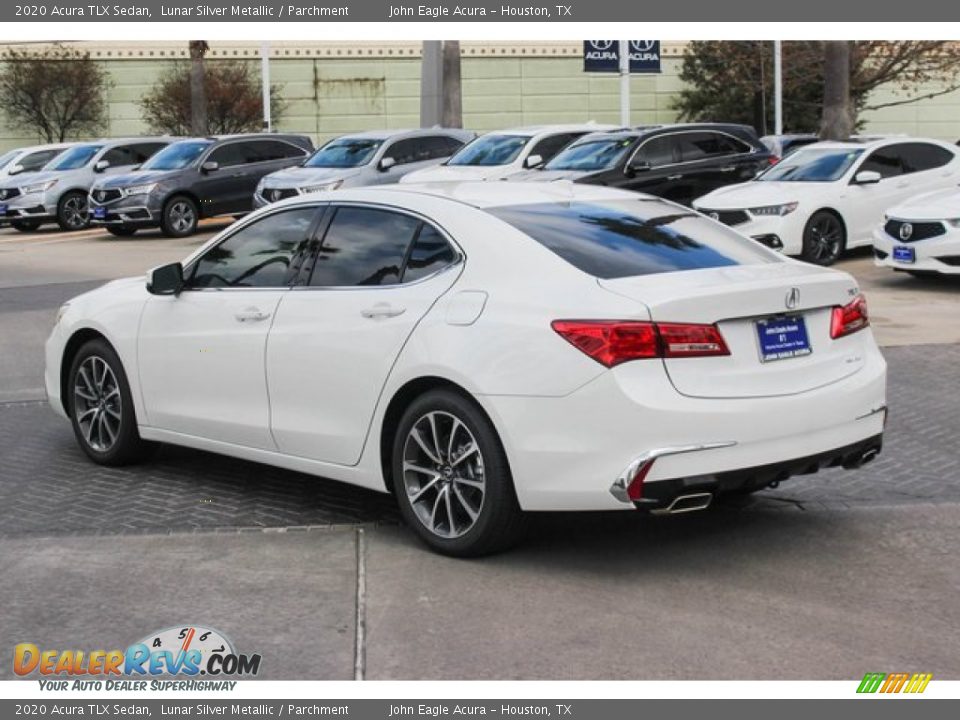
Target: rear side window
[
  {"x": 887, "y": 161},
  {"x": 624, "y": 238},
  {"x": 430, "y": 253},
  {"x": 363, "y": 246},
  {"x": 550, "y": 146},
  {"x": 267, "y": 150},
  {"x": 658, "y": 151}
]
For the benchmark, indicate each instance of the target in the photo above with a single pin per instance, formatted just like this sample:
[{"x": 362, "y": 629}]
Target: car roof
[
  {"x": 480, "y": 194},
  {"x": 49, "y": 146},
  {"x": 532, "y": 130},
  {"x": 407, "y": 132},
  {"x": 124, "y": 140},
  {"x": 641, "y": 131}
]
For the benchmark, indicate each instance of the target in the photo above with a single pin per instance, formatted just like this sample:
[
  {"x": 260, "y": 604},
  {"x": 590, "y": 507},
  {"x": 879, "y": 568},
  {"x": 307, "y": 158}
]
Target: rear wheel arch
[{"x": 400, "y": 401}]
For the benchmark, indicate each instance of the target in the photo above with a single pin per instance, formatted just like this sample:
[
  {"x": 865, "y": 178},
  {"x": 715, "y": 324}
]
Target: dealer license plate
[
  {"x": 782, "y": 338},
  {"x": 904, "y": 254}
]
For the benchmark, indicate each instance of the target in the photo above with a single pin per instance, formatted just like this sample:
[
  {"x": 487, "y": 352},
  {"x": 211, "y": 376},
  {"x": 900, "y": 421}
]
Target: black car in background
[
  {"x": 676, "y": 162},
  {"x": 193, "y": 179}
]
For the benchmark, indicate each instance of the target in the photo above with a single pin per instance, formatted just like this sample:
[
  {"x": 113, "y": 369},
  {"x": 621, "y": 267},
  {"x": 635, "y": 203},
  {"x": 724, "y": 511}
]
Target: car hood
[
  {"x": 31, "y": 178},
  {"x": 459, "y": 173},
  {"x": 301, "y": 176},
  {"x": 937, "y": 205},
  {"x": 758, "y": 194},
  {"x": 140, "y": 177}
]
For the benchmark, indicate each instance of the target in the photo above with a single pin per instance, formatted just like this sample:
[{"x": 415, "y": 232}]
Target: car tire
[
  {"x": 824, "y": 238},
  {"x": 121, "y": 230},
  {"x": 100, "y": 407},
  {"x": 179, "y": 217},
  {"x": 454, "y": 485},
  {"x": 72, "y": 211}
]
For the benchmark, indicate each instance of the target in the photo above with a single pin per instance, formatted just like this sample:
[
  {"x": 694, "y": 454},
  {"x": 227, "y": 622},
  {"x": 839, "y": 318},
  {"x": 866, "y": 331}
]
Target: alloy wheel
[
  {"x": 181, "y": 216},
  {"x": 826, "y": 237},
  {"x": 443, "y": 474},
  {"x": 75, "y": 211},
  {"x": 97, "y": 404}
]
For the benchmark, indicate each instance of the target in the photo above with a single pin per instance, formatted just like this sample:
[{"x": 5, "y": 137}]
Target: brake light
[
  {"x": 850, "y": 318},
  {"x": 611, "y": 342},
  {"x": 773, "y": 160}
]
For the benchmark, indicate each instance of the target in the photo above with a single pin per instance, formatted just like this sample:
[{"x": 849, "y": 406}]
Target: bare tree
[
  {"x": 234, "y": 100},
  {"x": 198, "y": 92},
  {"x": 57, "y": 93},
  {"x": 837, "y": 122}
]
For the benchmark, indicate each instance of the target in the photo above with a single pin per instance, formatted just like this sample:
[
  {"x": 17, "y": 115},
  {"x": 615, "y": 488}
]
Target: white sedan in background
[
  {"x": 922, "y": 235},
  {"x": 499, "y": 154},
  {"x": 481, "y": 350},
  {"x": 825, "y": 198}
]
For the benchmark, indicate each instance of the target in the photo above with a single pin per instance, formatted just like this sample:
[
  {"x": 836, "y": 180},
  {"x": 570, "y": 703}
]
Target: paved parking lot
[{"x": 826, "y": 577}]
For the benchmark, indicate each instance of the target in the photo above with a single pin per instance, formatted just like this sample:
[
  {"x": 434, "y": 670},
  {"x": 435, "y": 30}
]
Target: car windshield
[
  {"x": 176, "y": 156},
  {"x": 624, "y": 238},
  {"x": 591, "y": 155},
  {"x": 490, "y": 150},
  {"x": 7, "y": 157},
  {"x": 75, "y": 157},
  {"x": 344, "y": 153},
  {"x": 813, "y": 165}
]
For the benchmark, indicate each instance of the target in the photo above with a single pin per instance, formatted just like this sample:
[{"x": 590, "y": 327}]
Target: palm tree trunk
[
  {"x": 198, "y": 92},
  {"x": 837, "y": 123}
]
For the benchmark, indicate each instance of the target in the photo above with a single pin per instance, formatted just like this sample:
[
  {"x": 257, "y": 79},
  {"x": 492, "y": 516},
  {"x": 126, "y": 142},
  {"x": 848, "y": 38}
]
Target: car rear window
[{"x": 624, "y": 238}]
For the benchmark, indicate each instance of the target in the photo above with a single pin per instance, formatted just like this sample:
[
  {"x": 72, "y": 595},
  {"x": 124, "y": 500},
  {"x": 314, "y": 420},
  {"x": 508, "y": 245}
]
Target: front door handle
[
  {"x": 382, "y": 310},
  {"x": 251, "y": 314},
  {"x": 728, "y": 168},
  {"x": 674, "y": 177}
]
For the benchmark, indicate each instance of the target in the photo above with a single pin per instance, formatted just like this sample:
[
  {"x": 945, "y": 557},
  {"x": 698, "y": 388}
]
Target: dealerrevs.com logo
[
  {"x": 889, "y": 683},
  {"x": 185, "y": 653}
]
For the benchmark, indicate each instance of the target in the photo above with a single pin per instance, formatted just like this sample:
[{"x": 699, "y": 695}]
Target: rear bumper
[
  {"x": 566, "y": 452},
  {"x": 662, "y": 495}
]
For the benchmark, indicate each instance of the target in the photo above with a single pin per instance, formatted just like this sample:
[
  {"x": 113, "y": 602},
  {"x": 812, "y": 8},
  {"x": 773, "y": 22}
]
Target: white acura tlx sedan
[{"x": 481, "y": 350}]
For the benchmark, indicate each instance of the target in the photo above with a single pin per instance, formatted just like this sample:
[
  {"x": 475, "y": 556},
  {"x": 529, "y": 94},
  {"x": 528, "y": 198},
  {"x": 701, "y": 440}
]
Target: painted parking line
[{"x": 32, "y": 239}]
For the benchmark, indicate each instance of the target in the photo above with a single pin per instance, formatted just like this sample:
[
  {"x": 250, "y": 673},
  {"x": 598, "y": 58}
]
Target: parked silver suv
[
  {"x": 58, "y": 193},
  {"x": 376, "y": 157},
  {"x": 20, "y": 163}
]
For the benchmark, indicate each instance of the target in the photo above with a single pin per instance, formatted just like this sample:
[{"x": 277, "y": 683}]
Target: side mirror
[
  {"x": 15, "y": 170},
  {"x": 533, "y": 161},
  {"x": 867, "y": 177},
  {"x": 165, "y": 280},
  {"x": 210, "y": 166},
  {"x": 101, "y": 165},
  {"x": 386, "y": 163}
]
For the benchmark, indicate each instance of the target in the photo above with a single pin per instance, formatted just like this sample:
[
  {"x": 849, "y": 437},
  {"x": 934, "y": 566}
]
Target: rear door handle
[
  {"x": 382, "y": 310},
  {"x": 728, "y": 168},
  {"x": 251, "y": 314},
  {"x": 674, "y": 177}
]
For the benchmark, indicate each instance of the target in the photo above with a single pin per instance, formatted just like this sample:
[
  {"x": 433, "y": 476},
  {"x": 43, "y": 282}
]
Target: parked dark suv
[
  {"x": 677, "y": 162},
  {"x": 193, "y": 179}
]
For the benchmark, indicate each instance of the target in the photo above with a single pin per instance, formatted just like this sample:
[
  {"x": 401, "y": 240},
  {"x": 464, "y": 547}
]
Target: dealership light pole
[
  {"x": 265, "y": 79},
  {"x": 625, "y": 83},
  {"x": 778, "y": 87}
]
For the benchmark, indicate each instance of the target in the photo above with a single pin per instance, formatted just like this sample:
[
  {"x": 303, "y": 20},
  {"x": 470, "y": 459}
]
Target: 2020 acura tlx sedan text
[{"x": 482, "y": 350}]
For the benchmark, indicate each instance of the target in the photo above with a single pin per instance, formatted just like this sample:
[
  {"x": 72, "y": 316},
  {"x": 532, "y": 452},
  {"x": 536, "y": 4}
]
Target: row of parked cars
[{"x": 791, "y": 193}]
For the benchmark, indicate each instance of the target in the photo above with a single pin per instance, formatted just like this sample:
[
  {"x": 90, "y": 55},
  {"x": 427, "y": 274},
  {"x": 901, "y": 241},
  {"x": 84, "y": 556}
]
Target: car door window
[
  {"x": 363, "y": 246},
  {"x": 35, "y": 161},
  {"x": 406, "y": 151},
  {"x": 887, "y": 161},
  {"x": 257, "y": 255},
  {"x": 706, "y": 145},
  {"x": 232, "y": 154},
  {"x": 919, "y": 156},
  {"x": 430, "y": 253},
  {"x": 144, "y": 151},
  {"x": 268, "y": 150},
  {"x": 550, "y": 146},
  {"x": 120, "y": 156},
  {"x": 439, "y": 146},
  {"x": 657, "y": 151}
]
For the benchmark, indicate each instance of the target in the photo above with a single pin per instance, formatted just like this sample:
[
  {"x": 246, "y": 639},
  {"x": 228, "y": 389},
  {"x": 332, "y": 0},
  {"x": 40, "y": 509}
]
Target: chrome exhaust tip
[
  {"x": 859, "y": 461},
  {"x": 686, "y": 503}
]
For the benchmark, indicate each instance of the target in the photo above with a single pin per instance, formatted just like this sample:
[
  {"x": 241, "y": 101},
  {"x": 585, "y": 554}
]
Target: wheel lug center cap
[{"x": 447, "y": 472}]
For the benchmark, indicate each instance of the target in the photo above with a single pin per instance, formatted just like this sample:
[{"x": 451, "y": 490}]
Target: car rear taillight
[
  {"x": 773, "y": 159},
  {"x": 611, "y": 342},
  {"x": 850, "y": 318}
]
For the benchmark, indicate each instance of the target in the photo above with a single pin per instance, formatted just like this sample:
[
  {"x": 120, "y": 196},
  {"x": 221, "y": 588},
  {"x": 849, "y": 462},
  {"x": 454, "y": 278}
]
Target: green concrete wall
[{"x": 327, "y": 96}]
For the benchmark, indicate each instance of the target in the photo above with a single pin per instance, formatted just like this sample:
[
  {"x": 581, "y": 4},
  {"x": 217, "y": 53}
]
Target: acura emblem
[
  {"x": 792, "y": 299},
  {"x": 275, "y": 195},
  {"x": 906, "y": 230}
]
